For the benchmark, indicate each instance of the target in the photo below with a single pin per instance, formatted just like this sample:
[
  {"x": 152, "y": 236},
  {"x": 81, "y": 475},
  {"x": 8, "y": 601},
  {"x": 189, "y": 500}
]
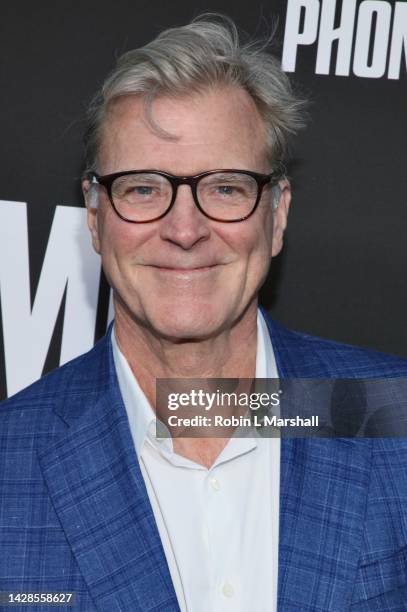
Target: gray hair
[{"x": 184, "y": 60}]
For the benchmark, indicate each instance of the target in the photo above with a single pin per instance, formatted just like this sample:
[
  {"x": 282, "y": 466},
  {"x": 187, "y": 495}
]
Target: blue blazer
[{"x": 75, "y": 515}]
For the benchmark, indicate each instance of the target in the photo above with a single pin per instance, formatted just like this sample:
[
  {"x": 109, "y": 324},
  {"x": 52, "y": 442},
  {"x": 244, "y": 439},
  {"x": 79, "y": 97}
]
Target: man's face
[{"x": 186, "y": 276}]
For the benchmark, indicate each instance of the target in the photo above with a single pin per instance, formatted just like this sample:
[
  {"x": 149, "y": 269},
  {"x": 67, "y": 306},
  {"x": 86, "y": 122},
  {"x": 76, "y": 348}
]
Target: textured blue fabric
[{"x": 75, "y": 515}]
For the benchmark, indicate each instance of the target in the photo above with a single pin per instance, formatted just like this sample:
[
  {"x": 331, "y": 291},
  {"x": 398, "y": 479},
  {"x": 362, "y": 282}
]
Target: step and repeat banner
[{"x": 342, "y": 273}]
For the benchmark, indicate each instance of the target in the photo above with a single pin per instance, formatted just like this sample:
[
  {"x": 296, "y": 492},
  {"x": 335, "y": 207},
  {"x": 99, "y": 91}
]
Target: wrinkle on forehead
[
  {"x": 151, "y": 116},
  {"x": 197, "y": 119},
  {"x": 165, "y": 111}
]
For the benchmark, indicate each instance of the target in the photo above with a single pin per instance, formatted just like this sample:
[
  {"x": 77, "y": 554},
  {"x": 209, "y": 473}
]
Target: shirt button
[
  {"x": 215, "y": 484},
  {"x": 227, "y": 590}
]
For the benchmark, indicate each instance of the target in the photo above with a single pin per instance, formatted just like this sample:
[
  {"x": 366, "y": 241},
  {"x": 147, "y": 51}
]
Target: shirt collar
[
  {"x": 266, "y": 366},
  {"x": 138, "y": 408},
  {"x": 141, "y": 416}
]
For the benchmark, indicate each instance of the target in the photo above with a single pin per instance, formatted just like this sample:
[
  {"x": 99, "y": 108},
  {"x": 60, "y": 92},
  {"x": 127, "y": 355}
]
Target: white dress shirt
[{"x": 218, "y": 526}]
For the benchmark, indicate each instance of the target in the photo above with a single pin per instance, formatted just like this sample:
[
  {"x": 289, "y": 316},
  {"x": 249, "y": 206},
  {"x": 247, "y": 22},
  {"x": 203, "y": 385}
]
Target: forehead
[{"x": 211, "y": 129}]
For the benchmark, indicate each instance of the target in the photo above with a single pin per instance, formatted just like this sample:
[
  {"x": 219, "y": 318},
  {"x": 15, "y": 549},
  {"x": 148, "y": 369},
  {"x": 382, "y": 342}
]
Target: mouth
[{"x": 185, "y": 269}]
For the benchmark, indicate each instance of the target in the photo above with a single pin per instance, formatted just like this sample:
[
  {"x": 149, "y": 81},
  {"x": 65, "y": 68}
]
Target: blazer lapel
[
  {"x": 97, "y": 489},
  {"x": 323, "y": 491}
]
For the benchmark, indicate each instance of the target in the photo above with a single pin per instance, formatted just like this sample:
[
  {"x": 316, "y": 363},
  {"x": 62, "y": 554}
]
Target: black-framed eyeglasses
[{"x": 142, "y": 196}]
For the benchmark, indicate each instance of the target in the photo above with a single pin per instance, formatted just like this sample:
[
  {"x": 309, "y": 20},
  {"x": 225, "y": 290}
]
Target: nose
[{"x": 184, "y": 225}]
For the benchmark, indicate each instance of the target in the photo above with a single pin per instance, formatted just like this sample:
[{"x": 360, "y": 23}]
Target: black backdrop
[{"x": 342, "y": 272}]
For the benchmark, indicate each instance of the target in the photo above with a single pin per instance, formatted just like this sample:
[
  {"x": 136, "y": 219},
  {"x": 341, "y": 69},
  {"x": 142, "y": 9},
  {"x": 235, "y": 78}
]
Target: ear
[
  {"x": 280, "y": 216},
  {"x": 90, "y": 195}
]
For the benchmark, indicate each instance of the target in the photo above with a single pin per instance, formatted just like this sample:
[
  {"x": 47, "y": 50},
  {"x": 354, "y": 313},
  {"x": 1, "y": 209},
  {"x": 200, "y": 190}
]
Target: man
[{"x": 187, "y": 204}]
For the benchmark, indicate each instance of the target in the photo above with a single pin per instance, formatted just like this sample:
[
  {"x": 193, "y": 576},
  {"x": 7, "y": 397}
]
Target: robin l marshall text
[{"x": 234, "y": 421}]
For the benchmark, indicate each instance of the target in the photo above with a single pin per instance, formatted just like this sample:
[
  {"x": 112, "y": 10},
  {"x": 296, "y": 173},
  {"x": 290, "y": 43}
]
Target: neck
[{"x": 229, "y": 354}]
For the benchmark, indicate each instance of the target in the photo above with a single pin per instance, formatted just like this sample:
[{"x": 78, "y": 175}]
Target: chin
[{"x": 183, "y": 323}]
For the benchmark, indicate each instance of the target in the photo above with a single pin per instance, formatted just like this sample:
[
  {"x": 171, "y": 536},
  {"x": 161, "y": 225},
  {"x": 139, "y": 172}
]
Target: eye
[
  {"x": 226, "y": 189},
  {"x": 140, "y": 187},
  {"x": 143, "y": 190}
]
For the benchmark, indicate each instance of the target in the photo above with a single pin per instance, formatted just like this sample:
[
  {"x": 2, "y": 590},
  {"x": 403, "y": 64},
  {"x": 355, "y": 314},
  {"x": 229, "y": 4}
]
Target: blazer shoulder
[
  {"x": 301, "y": 354},
  {"x": 86, "y": 375}
]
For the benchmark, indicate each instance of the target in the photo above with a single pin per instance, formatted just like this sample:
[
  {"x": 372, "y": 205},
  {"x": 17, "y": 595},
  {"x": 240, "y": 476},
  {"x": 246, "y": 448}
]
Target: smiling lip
[{"x": 184, "y": 270}]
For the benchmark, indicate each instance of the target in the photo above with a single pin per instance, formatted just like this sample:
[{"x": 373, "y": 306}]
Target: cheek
[
  {"x": 264, "y": 231},
  {"x": 253, "y": 241},
  {"x": 121, "y": 240},
  {"x": 259, "y": 249}
]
